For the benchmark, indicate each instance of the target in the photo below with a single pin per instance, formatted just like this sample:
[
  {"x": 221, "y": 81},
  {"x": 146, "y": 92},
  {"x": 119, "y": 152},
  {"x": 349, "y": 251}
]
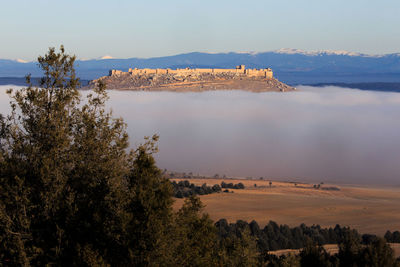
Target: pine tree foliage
[
  {"x": 196, "y": 238},
  {"x": 62, "y": 168},
  {"x": 149, "y": 208},
  {"x": 71, "y": 194}
]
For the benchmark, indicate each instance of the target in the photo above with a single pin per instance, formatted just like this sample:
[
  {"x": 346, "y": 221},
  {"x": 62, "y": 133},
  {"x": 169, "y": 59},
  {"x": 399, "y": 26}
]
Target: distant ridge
[{"x": 291, "y": 66}]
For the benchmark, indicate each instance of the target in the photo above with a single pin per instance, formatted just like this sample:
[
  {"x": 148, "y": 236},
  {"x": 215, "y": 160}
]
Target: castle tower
[{"x": 241, "y": 69}]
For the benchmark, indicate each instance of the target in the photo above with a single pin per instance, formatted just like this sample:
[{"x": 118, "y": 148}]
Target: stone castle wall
[{"x": 263, "y": 73}]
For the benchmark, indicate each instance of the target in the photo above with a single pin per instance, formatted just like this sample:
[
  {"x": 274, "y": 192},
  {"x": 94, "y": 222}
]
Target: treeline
[
  {"x": 183, "y": 189},
  {"x": 351, "y": 253},
  {"x": 232, "y": 186},
  {"x": 354, "y": 249},
  {"x": 186, "y": 189},
  {"x": 276, "y": 237},
  {"x": 392, "y": 237}
]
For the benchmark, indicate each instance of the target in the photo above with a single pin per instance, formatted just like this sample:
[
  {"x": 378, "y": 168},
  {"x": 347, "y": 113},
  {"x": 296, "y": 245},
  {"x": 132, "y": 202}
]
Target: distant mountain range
[{"x": 289, "y": 65}]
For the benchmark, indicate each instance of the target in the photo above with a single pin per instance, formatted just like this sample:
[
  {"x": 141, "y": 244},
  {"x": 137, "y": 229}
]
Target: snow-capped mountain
[
  {"x": 289, "y": 65},
  {"x": 291, "y": 51}
]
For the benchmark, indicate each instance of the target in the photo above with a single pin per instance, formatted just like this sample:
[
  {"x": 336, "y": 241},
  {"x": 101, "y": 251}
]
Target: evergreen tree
[
  {"x": 195, "y": 238},
  {"x": 378, "y": 253},
  {"x": 312, "y": 255},
  {"x": 70, "y": 192},
  {"x": 349, "y": 249},
  {"x": 239, "y": 249},
  {"x": 149, "y": 209}
]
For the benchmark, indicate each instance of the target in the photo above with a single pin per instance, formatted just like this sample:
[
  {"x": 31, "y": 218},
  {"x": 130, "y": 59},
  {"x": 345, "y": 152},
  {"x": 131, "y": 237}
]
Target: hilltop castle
[
  {"x": 193, "y": 80},
  {"x": 240, "y": 70}
]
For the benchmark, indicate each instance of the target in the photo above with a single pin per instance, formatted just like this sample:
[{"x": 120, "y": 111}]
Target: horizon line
[{"x": 289, "y": 51}]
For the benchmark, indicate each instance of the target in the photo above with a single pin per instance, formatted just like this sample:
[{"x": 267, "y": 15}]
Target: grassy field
[{"x": 369, "y": 210}]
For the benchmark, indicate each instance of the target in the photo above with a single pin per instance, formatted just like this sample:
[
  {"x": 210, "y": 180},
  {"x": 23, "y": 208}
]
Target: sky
[{"x": 126, "y": 28}]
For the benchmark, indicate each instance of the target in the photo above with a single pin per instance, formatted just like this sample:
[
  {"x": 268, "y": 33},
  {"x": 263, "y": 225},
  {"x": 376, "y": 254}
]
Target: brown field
[{"x": 369, "y": 210}]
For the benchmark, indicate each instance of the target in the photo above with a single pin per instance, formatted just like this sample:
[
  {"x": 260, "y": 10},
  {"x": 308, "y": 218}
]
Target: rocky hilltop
[{"x": 193, "y": 80}]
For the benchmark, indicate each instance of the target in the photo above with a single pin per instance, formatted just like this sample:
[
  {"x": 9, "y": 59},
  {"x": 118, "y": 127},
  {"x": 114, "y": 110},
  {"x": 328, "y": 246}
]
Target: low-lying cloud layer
[{"x": 315, "y": 134}]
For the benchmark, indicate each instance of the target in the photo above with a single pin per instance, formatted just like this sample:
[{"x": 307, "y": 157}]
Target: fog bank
[{"x": 328, "y": 134}]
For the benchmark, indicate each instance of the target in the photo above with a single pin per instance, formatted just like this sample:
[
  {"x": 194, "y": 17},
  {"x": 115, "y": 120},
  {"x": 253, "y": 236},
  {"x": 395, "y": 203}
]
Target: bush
[
  {"x": 232, "y": 186},
  {"x": 188, "y": 189}
]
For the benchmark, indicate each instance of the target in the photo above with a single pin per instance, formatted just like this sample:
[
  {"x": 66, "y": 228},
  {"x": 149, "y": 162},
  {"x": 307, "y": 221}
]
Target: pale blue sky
[{"x": 122, "y": 29}]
